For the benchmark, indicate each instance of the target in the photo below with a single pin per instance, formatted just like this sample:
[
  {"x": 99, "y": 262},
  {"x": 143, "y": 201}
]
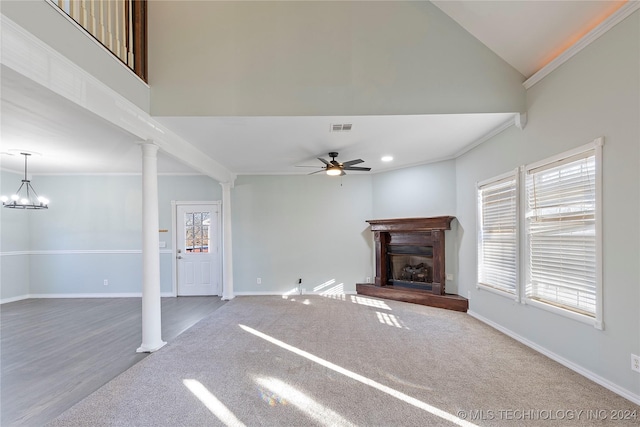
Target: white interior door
[{"x": 197, "y": 252}]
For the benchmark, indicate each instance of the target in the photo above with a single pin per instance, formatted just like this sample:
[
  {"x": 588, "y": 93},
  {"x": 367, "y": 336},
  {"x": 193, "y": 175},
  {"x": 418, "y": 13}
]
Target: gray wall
[
  {"x": 14, "y": 242},
  {"x": 309, "y": 227},
  {"x": 421, "y": 191},
  {"x": 594, "y": 94},
  {"x": 91, "y": 232},
  {"x": 276, "y": 58}
]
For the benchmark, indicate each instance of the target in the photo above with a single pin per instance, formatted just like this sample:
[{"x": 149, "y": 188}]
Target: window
[
  {"x": 559, "y": 234},
  {"x": 196, "y": 229},
  {"x": 498, "y": 233},
  {"x": 563, "y": 232}
]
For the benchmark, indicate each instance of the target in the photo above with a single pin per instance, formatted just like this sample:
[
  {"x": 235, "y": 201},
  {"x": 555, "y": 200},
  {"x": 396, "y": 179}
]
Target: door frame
[{"x": 174, "y": 241}]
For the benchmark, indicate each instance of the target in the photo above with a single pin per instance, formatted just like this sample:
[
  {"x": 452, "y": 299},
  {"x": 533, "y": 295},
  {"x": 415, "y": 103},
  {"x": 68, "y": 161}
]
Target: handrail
[{"x": 119, "y": 25}]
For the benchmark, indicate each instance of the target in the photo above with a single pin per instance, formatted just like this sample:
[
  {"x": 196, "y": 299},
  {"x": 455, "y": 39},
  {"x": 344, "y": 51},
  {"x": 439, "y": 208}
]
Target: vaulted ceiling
[{"x": 525, "y": 34}]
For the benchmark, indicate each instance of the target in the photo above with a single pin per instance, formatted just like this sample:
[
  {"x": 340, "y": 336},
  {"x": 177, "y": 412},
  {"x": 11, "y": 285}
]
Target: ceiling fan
[{"x": 335, "y": 168}]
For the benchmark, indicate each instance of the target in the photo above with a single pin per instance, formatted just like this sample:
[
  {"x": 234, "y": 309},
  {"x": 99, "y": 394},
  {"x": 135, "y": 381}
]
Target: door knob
[{"x": 179, "y": 257}]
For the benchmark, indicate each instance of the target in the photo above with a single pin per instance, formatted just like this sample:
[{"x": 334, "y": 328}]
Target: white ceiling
[
  {"x": 71, "y": 140},
  {"x": 277, "y": 145},
  {"x": 528, "y": 34}
]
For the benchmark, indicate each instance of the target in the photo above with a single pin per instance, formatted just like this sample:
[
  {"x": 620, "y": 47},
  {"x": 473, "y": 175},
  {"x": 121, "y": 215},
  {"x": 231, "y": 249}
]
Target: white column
[
  {"x": 151, "y": 312},
  {"x": 227, "y": 259}
]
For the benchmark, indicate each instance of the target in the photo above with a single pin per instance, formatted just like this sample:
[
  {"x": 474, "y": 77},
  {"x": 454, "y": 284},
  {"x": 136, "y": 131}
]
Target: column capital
[
  {"x": 227, "y": 185},
  {"x": 148, "y": 147}
]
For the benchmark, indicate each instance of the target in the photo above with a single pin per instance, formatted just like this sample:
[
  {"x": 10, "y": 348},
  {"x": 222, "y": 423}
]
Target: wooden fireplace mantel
[
  {"x": 411, "y": 232},
  {"x": 412, "y": 224}
]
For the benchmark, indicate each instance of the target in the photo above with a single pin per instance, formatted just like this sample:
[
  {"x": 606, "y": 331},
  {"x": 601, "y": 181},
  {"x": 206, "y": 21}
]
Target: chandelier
[{"x": 26, "y": 197}]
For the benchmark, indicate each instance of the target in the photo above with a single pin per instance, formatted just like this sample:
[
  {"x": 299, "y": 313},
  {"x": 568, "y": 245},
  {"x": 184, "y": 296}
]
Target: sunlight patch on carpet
[
  {"x": 333, "y": 291},
  {"x": 321, "y": 414},
  {"x": 370, "y": 302},
  {"x": 271, "y": 398},
  {"x": 389, "y": 319},
  {"x": 294, "y": 291},
  {"x": 362, "y": 379},
  {"x": 216, "y": 407}
]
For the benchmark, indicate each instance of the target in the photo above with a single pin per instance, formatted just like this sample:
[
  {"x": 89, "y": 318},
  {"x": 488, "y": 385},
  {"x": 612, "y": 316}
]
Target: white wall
[
  {"x": 596, "y": 93},
  {"x": 309, "y": 227},
  {"x": 276, "y": 58}
]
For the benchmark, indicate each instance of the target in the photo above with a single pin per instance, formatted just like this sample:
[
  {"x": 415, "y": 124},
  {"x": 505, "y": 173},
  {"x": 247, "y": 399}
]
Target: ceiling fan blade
[
  {"x": 352, "y": 162},
  {"x": 305, "y": 166},
  {"x": 324, "y": 161},
  {"x": 321, "y": 170},
  {"x": 356, "y": 168}
]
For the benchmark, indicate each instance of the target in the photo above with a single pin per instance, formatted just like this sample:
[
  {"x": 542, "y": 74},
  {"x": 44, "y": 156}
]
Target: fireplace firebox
[{"x": 410, "y": 252}]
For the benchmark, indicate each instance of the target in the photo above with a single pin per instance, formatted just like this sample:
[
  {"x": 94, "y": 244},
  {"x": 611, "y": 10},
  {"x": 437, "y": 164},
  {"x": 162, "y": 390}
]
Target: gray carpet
[{"x": 346, "y": 360}]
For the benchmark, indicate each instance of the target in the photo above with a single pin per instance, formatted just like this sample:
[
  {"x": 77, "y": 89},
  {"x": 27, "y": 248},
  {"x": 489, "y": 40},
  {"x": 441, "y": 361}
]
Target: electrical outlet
[
  {"x": 106, "y": 282},
  {"x": 258, "y": 281},
  {"x": 635, "y": 363},
  {"x": 368, "y": 279}
]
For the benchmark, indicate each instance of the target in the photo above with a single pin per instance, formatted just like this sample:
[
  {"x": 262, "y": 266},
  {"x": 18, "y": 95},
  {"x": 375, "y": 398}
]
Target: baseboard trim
[
  {"x": 287, "y": 294},
  {"x": 94, "y": 295},
  {"x": 565, "y": 362},
  {"x": 13, "y": 299},
  {"x": 82, "y": 252}
]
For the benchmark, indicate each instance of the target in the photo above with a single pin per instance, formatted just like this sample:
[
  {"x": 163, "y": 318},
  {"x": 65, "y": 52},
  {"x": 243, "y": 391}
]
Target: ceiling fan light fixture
[{"x": 333, "y": 171}]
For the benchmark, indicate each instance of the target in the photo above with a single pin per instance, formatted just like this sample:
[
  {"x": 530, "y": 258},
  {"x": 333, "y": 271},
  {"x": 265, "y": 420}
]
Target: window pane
[
  {"x": 197, "y": 226},
  {"x": 498, "y": 242},
  {"x": 561, "y": 230}
]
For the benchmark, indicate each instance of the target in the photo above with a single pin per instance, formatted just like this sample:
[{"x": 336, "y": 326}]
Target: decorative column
[
  {"x": 151, "y": 304},
  {"x": 227, "y": 259}
]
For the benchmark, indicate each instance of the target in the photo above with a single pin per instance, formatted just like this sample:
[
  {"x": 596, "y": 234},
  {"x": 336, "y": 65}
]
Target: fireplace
[
  {"x": 410, "y": 266},
  {"x": 410, "y": 252}
]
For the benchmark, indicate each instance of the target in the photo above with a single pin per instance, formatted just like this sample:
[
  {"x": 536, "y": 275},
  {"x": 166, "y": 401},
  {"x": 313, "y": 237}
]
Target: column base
[
  {"x": 227, "y": 298},
  {"x": 148, "y": 349}
]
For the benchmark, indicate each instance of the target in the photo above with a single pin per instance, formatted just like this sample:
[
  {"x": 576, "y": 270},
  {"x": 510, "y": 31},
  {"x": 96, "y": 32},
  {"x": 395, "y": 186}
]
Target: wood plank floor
[{"x": 55, "y": 352}]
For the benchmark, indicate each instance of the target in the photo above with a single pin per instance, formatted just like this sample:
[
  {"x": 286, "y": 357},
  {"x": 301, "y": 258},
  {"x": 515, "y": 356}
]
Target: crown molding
[
  {"x": 515, "y": 120},
  {"x": 618, "y": 16}
]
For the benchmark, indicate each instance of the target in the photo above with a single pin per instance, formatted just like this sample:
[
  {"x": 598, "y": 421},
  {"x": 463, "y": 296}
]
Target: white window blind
[
  {"x": 498, "y": 234},
  {"x": 561, "y": 233}
]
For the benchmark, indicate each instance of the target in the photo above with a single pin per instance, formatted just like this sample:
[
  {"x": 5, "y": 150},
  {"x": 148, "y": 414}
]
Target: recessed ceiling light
[{"x": 386, "y": 158}]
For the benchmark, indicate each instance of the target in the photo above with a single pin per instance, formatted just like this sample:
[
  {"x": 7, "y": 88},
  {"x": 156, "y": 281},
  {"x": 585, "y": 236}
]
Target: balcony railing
[{"x": 119, "y": 25}]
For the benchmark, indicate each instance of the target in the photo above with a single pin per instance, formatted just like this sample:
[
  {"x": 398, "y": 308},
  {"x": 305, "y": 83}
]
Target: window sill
[
  {"x": 497, "y": 291},
  {"x": 566, "y": 313}
]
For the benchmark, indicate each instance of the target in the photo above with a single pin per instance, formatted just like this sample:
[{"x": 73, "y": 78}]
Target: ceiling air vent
[{"x": 346, "y": 127}]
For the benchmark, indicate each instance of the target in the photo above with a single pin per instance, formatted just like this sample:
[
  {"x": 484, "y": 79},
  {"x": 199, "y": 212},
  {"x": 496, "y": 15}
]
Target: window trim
[
  {"x": 514, "y": 174},
  {"x": 597, "y": 320}
]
